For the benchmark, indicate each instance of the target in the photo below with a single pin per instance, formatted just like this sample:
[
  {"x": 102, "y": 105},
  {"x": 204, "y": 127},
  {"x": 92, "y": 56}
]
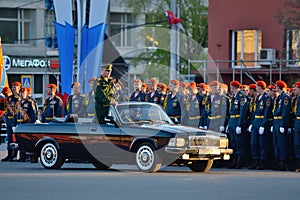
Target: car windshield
[{"x": 132, "y": 113}]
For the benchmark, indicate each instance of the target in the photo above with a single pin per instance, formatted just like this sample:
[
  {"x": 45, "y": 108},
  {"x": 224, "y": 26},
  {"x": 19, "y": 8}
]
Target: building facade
[
  {"x": 247, "y": 43},
  {"x": 30, "y": 44}
]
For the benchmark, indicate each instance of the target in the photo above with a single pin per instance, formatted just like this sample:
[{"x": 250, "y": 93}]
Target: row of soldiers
[{"x": 262, "y": 122}]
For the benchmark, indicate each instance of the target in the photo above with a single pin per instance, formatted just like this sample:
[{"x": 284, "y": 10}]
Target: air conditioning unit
[{"x": 267, "y": 56}]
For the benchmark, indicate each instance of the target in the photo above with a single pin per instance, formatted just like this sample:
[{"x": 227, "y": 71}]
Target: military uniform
[
  {"x": 35, "y": 105},
  {"x": 153, "y": 97},
  {"x": 25, "y": 113},
  {"x": 204, "y": 109},
  {"x": 140, "y": 96},
  {"x": 297, "y": 132},
  {"x": 90, "y": 104},
  {"x": 75, "y": 104},
  {"x": 281, "y": 122},
  {"x": 260, "y": 136},
  {"x": 10, "y": 118},
  {"x": 237, "y": 120},
  {"x": 104, "y": 91},
  {"x": 192, "y": 114},
  {"x": 173, "y": 108},
  {"x": 218, "y": 112},
  {"x": 52, "y": 108}
]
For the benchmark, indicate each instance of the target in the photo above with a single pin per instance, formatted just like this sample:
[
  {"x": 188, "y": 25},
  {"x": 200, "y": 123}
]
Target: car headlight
[
  {"x": 223, "y": 142},
  {"x": 177, "y": 142}
]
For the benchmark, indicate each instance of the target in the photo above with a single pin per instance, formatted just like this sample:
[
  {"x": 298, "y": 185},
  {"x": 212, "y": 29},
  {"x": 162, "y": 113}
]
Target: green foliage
[
  {"x": 289, "y": 14},
  {"x": 194, "y": 15}
]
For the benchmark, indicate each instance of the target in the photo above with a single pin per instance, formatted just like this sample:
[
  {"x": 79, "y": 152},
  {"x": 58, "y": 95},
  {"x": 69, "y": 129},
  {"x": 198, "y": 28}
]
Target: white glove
[
  {"x": 250, "y": 128},
  {"x": 222, "y": 128},
  {"x": 226, "y": 130},
  {"x": 271, "y": 129},
  {"x": 281, "y": 129},
  {"x": 238, "y": 130},
  {"x": 205, "y": 127},
  {"x": 289, "y": 130},
  {"x": 261, "y": 130},
  {"x": 14, "y": 129}
]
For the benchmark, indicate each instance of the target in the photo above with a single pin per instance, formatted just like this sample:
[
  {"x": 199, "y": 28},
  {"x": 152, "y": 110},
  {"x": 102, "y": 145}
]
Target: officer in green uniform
[{"x": 104, "y": 91}]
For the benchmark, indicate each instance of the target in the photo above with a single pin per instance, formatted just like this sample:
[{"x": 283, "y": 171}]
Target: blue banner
[
  {"x": 91, "y": 54},
  {"x": 65, "y": 38}
]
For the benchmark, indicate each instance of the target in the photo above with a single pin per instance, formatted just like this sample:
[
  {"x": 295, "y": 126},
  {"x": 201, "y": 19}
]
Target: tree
[
  {"x": 289, "y": 14},
  {"x": 194, "y": 15}
]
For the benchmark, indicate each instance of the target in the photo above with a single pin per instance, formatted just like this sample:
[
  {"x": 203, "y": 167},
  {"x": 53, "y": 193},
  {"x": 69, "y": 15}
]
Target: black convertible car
[{"x": 135, "y": 133}]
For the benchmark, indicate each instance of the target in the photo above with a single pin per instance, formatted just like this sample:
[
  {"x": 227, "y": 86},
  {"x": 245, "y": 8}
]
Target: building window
[
  {"x": 18, "y": 25},
  {"x": 293, "y": 48},
  {"x": 121, "y": 36},
  {"x": 246, "y": 46}
]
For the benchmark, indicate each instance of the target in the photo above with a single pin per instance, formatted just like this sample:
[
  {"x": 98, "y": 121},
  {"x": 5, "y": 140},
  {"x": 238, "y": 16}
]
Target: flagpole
[
  {"x": 79, "y": 26},
  {"x": 173, "y": 45}
]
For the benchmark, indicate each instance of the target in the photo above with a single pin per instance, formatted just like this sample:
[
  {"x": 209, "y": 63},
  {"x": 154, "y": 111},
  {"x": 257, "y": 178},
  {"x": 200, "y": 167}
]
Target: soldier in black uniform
[
  {"x": 29, "y": 96},
  {"x": 90, "y": 99},
  {"x": 161, "y": 89},
  {"x": 172, "y": 103},
  {"x": 52, "y": 104},
  {"x": 204, "y": 104},
  {"x": 152, "y": 95},
  {"x": 10, "y": 103},
  {"x": 75, "y": 103},
  {"x": 25, "y": 113},
  {"x": 104, "y": 91},
  {"x": 9, "y": 117},
  {"x": 138, "y": 94}
]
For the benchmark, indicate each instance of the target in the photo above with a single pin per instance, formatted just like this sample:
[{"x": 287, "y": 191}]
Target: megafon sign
[{"x": 25, "y": 63}]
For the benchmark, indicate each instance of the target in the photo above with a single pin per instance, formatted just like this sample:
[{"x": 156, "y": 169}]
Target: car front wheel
[
  {"x": 51, "y": 157},
  {"x": 201, "y": 165},
  {"x": 146, "y": 158}
]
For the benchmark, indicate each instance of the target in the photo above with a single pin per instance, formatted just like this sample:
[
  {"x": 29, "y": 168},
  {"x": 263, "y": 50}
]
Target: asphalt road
[{"x": 83, "y": 181}]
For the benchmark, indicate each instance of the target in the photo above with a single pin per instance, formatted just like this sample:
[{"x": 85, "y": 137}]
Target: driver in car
[{"x": 133, "y": 115}]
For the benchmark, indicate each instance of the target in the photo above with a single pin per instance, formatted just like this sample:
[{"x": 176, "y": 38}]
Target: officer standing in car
[{"x": 104, "y": 91}]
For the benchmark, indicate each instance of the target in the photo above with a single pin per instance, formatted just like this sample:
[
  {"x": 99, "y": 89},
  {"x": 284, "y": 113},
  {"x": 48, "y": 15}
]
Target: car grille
[{"x": 204, "y": 141}]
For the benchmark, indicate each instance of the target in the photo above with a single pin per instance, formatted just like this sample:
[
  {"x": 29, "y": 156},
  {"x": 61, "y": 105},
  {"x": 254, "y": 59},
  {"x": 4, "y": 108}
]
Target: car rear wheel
[
  {"x": 100, "y": 165},
  {"x": 201, "y": 165},
  {"x": 51, "y": 157},
  {"x": 146, "y": 158}
]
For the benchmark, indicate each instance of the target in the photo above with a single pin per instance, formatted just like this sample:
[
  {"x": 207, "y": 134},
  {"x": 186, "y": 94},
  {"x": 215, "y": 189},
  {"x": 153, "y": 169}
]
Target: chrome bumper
[{"x": 206, "y": 151}]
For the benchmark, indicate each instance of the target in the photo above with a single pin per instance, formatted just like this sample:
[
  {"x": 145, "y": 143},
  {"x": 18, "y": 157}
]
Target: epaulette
[{"x": 81, "y": 95}]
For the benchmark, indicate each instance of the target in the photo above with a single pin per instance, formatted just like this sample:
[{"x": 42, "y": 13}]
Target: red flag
[{"x": 172, "y": 19}]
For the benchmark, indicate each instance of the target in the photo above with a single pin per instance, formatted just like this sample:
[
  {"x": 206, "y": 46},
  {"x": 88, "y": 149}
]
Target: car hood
[{"x": 177, "y": 129}]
